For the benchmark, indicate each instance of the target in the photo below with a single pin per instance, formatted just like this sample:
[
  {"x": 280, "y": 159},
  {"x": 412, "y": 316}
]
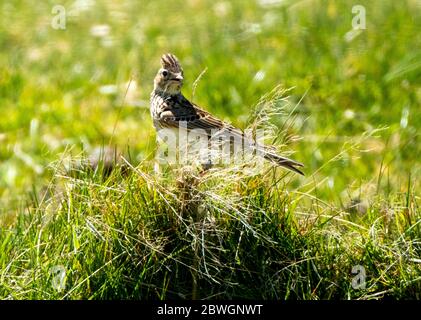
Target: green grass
[
  {"x": 354, "y": 102},
  {"x": 225, "y": 234}
]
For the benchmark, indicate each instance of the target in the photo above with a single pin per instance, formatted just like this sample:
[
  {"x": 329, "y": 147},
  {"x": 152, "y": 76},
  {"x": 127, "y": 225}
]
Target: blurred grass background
[
  {"x": 66, "y": 87},
  {"x": 64, "y": 91},
  {"x": 61, "y": 88}
]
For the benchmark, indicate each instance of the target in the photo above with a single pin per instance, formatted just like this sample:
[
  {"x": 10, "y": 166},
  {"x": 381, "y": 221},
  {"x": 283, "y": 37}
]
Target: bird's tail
[
  {"x": 280, "y": 161},
  {"x": 270, "y": 154},
  {"x": 284, "y": 162}
]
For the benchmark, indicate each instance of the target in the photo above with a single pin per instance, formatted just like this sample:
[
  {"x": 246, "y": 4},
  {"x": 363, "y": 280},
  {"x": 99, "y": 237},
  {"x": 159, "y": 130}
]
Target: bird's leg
[
  {"x": 157, "y": 168},
  {"x": 207, "y": 164}
]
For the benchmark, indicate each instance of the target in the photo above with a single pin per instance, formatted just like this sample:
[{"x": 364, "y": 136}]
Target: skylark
[{"x": 170, "y": 109}]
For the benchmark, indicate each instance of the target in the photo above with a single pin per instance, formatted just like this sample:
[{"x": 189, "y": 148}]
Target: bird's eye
[{"x": 164, "y": 73}]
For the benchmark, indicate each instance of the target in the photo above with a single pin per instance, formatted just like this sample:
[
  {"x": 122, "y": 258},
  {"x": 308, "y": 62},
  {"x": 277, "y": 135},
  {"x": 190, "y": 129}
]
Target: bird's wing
[{"x": 181, "y": 112}]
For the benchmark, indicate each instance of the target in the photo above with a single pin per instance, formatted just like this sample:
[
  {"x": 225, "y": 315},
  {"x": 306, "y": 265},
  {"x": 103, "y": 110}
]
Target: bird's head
[{"x": 169, "y": 78}]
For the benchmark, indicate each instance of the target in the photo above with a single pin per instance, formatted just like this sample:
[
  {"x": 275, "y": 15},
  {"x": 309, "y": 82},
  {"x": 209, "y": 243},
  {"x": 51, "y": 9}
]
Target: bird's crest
[{"x": 170, "y": 62}]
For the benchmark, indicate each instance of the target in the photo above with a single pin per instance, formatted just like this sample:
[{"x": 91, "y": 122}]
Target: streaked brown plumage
[{"x": 169, "y": 108}]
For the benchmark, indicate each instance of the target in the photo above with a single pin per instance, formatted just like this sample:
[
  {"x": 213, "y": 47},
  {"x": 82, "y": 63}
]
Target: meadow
[{"x": 346, "y": 102}]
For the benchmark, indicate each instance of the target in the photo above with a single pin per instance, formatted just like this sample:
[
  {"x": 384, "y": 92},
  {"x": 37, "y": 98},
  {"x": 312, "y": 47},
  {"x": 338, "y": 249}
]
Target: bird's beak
[{"x": 178, "y": 77}]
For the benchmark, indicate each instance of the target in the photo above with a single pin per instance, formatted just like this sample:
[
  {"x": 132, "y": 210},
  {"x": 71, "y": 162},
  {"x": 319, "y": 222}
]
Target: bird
[{"x": 170, "y": 109}]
